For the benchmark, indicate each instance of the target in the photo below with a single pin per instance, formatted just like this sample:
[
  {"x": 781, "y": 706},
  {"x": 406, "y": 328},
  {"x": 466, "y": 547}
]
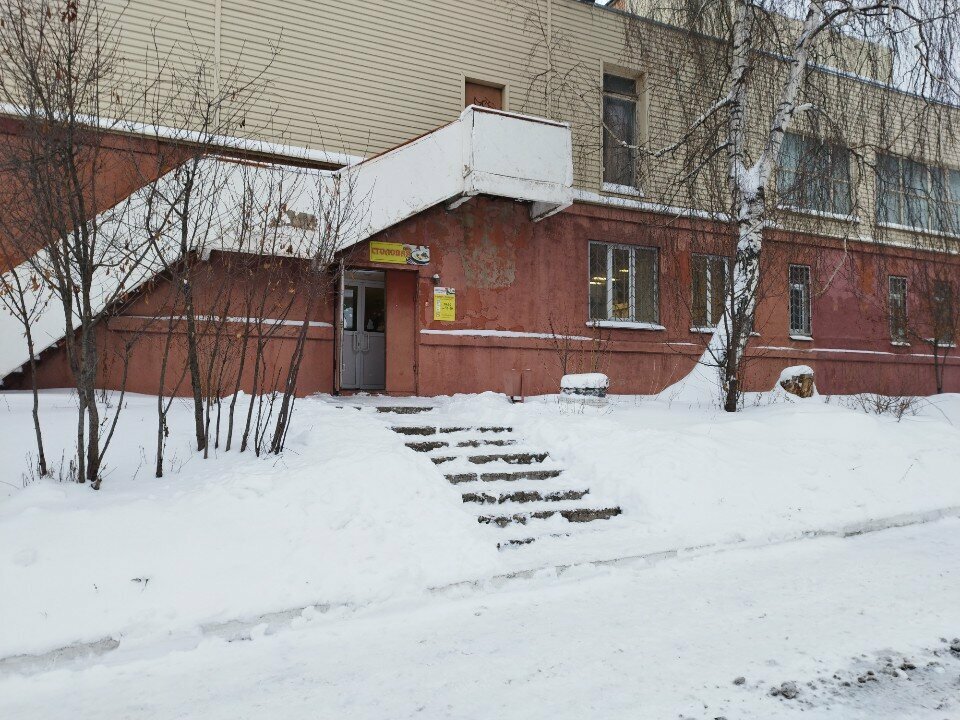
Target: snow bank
[
  {"x": 347, "y": 515},
  {"x": 686, "y": 477}
]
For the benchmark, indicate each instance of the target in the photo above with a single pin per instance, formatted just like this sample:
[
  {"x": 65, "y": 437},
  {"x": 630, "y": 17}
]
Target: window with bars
[
  {"x": 944, "y": 312},
  {"x": 915, "y": 195},
  {"x": 800, "y": 300},
  {"x": 619, "y": 130},
  {"x": 897, "y": 301},
  {"x": 814, "y": 175},
  {"x": 623, "y": 283},
  {"x": 709, "y": 277}
]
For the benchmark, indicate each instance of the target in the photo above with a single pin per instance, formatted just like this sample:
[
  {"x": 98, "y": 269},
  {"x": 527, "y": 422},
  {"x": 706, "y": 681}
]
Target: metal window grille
[
  {"x": 623, "y": 283},
  {"x": 710, "y": 275},
  {"x": 898, "y": 308},
  {"x": 800, "y": 300}
]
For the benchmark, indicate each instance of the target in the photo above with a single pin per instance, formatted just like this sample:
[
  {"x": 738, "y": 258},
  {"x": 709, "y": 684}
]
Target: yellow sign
[
  {"x": 399, "y": 254},
  {"x": 444, "y": 304}
]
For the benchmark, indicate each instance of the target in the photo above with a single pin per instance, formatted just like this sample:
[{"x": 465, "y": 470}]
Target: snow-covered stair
[{"x": 517, "y": 489}]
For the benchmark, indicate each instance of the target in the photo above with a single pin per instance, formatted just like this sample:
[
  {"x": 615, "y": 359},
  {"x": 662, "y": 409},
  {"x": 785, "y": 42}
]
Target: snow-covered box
[{"x": 585, "y": 385}]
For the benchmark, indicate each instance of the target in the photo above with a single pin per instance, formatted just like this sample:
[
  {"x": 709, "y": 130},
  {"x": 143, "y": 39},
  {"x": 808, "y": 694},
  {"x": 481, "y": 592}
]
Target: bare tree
[
  {"x": 20, "y": 294},
  {"x": 63, "y": 82}
]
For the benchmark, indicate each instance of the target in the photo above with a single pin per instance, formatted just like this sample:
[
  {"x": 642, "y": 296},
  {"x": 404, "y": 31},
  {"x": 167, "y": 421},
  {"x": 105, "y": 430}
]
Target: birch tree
[{"x": 765, "y": 67}]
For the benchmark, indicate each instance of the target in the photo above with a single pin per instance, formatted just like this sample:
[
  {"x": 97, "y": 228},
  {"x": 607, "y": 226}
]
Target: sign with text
[
  {"x": 399, "y": 254},
  {"x": 444, "y": 304}
]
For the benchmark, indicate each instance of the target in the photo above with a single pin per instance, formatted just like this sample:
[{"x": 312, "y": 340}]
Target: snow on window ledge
[
  {"x": 941, "y": 344},
  {"x": 826, "y": 215},
  {"x": 804, "y": 338},
  {"x": 712, "y": 329},
  {"x": 900, "y": 343},
  {"x": 624, "y": 325},
  {"x": 621, "y": 189},
  {"x": 921, "y": 230}
]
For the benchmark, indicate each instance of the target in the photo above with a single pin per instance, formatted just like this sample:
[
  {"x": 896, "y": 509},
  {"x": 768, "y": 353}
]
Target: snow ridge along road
[
  {"x": 704, "y": 638},
  {"x": 80, "y": 654}
]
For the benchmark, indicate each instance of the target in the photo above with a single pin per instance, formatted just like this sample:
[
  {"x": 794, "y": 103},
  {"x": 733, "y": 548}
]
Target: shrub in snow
[
  {"x": 798, "y": 380},
  {"x": 585, "y": 384},
  {"x": 896, "y": 406}
]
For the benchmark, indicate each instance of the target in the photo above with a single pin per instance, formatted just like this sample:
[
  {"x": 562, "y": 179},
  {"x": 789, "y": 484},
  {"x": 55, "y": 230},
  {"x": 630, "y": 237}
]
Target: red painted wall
[{"x": 530, "y": 279}]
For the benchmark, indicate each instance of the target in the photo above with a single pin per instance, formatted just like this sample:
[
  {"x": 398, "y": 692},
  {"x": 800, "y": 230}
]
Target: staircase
[{"x": 517, "y": 490}]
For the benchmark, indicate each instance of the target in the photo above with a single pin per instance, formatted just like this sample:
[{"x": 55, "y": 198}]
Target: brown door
[{"x": 486, "y": 96}]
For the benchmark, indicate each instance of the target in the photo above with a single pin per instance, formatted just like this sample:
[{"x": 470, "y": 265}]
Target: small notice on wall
[
  {"x": 399, "y": 254},
  {"x": 444, "y": 304}
]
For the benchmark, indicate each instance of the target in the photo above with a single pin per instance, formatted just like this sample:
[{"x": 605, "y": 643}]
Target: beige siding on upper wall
[{"x": 361, "y": 78}]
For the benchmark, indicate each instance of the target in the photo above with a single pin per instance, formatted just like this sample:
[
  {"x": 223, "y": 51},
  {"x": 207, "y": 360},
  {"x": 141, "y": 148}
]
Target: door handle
[{"x": 366, "y": 342}]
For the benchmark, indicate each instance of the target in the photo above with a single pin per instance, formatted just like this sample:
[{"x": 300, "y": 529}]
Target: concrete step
[
  {"x": 510, "y": 459},
  {"x": 415, "y": 429},
  {"x": 523, "y": 496},
  {"x": 427, "y": 445},
  {"x": 503, "y": 476},
  {"x": 514, "y": 458},
  {"x": 501, "y": 442},
  {"x": 574, "y": 515},
  {"x": 442, "y": 430},
  {"x": 403, "y": 409}
]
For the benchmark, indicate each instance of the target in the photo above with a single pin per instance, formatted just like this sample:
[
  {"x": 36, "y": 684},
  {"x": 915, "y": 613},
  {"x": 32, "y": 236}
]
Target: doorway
[{"x": 363, "y": 349}]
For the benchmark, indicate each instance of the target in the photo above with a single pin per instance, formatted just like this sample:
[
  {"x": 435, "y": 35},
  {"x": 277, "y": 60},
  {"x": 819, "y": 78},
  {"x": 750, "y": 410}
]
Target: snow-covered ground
[
  {"x": 350, "y": 525},
  {"x": 667, "y": 641}
]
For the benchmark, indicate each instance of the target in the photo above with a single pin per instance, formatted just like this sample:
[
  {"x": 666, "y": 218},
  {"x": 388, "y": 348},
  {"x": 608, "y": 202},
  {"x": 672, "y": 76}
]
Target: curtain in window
[
  {"x": 646, "y": 285},
  {"x": 620, "y": 126}
]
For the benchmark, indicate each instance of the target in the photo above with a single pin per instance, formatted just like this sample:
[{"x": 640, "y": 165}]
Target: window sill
[
  {"x": 624, "y": 325},
  {"x": 621, "y": 189},
  {"x": 899, "y": 343},
  {"x": 932, "y": 341},
  {"x": 853, "y": 219},
  {"x": 713, "y": 329},
  {"x": 921, "y": 230},
  {"x": 802, "y": 338}
]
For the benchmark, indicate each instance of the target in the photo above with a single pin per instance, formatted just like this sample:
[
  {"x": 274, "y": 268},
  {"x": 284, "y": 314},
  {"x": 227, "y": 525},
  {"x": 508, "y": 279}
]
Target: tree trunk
[{"x": 193, "y": 361}]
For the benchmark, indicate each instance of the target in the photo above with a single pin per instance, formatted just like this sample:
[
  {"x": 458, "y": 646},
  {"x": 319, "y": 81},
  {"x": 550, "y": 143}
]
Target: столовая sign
[{"x": 399, "y": 254}]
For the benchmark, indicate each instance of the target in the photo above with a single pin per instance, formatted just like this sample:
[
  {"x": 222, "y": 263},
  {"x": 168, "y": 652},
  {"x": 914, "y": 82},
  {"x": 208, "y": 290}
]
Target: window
[
  {"x": 814, "y": 175},
  {"x": 482, "y": 95},
  {"x": 898, "y": 309},
  {"x": 619, "y": 129},
  {"x": 623, "y": 283},
  {"x": 800, "y": 300},
  {"x": 709, "y": 283},
  {"x": 917, "y": 195},
  {"x": 944, "y": 312}
]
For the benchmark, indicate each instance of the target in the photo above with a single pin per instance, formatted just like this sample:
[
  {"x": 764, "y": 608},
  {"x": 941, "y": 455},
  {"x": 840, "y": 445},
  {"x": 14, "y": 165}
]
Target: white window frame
[
  {"x": 834, "y": 185},
  {"x": 805, "y": 329},
  {"x": 710, "y": 320},
  {"x": 632, "y": 276},
  {"x": 613, "y": 184},
  {"x": 938, "y": 196}
]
